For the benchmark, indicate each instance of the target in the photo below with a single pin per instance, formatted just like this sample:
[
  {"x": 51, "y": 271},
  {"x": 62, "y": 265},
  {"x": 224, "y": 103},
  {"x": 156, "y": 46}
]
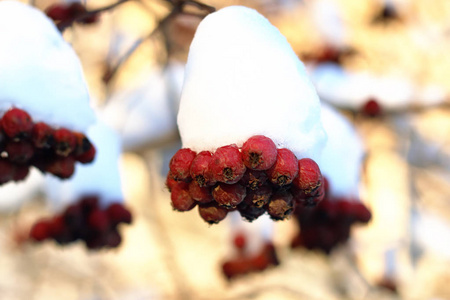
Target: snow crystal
[
  {"x": 342, "y": 156},
  {"x": 39, "y": 71},
  {"x": 243, "y": 78},
  {"x": 101, "y": 177}
]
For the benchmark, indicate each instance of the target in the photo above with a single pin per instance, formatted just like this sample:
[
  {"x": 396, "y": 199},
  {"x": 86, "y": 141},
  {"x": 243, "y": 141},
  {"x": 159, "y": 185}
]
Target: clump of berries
[
  {"x": 254, "y": 179},
  {"x": 69, "y": 12},
  {"x": 328, "y": 224},
  {"x": 245, "y": 263},
  {"x": 84, "y": 220},
  {"x": 24, "y": 143}
]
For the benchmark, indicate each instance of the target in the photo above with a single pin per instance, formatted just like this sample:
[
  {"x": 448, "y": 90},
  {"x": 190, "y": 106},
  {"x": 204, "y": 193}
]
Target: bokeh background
[{"x": 405, "y": 175}]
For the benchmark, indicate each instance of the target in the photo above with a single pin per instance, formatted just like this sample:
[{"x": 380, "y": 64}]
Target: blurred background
[{"x": 383, "y": 65}]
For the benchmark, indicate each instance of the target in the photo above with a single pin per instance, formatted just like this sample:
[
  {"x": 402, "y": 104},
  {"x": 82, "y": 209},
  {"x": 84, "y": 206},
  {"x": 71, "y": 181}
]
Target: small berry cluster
[
  {"x": 249, "y": 263},
  {"x": 86, "y": 221},
  {"x": 71, "y": 11},
  {"x": 253, "y": 179},
  {"x": 24, "y": 143},
  {"x": 328, "y": 224}
]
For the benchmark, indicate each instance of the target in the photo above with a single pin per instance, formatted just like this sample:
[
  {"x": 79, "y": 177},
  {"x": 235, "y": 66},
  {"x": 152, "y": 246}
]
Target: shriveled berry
[
  {"x": 117, "y": 213},
  {"x": 180, "y": 197},
  {"x": 285, "y": 168},
  {"x": 62, "y": 167},
  {"x": 98, "y": 220},
  {"x": 227, "y": 165},
  {"x": 40, "y": 231},
  {"x": 281, "y": 205},
  {"x": 65, "y": 141},
  {"x": 17, "y": 123},
  {"x": 42, "y": 135},
  {"x": 309, "y": 176},
  {"x": 200, "y": 194},
  {"x": 19, "y": 152},
  {"x": 259, "y": 152},
  {"x": 250, "y": 211},
  {"x": 254, "y": 179},
  {"x": 212, "y": 213},
  {"x": 260, "y": 196},
  {"x": 180, "y": 164},
  {"x": 229, "y": 195},
  {"x": 200, "y": 169}
]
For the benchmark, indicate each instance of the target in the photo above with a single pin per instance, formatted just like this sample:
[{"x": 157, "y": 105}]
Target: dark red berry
[
  {"x": 259, "y": 152},
  {"x": 260, "y": 196},
  {"x": 40, "y": 230},
  {"x": 236, "y": 267},
  {"x": 113, "y": 239},
  {"x": 309, "y": 176},
  {"x": 58, "y": 12},
  {"x": 285, "y": 168},
  {"x": 17, "y": 123},
  {"x": 88, "y": 156},
  {"x": 281, "y": 205},
  {"x": 254, "y": 179},
  {"x": 73, "y": 216},
  {"x": 240, "y": 241},
  {"x": 42, "y": 135},
  {"x": 7, "y": 171},
  {"x": 249, "y": 211},
  {"x": 371, "y": 108},
  {"x": 212, "y": 213},
  {"x": 65, "y": 141},
  {"x": 229, "y": 195},
  {"x": 117, "y": 213},
  {"x": 180, "y": 164},
  {"x": 21, "y": 172},
  {"x": 98, "y": 220},
  {"x": 200, "y": 194},
  {"x": 180, "y": 197},
  {"x": 170, "y": 182},
  {"x": 62, "y": 167},
  {"x": 227, "y": 165},
  {"x": 200, "y": 170},
  {"x": 19, "y": 152}
]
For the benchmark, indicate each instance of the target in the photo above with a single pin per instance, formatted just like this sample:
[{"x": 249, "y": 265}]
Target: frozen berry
[
  {"x": 253, "y": 179},
  {"x": 200, "y": 170},
  {"x": 42, "y": 135},
  {"x": 285, "y": 168},
  {"x": 60, "y": 232},
  {"x": 113, "y": 239},
  {"x": 229, "y": 195},
  {"x": 281, "y": 205},
  {"x": 65, "y": 141},
  {"x": 309, "y": 176},
  {"x": 250, "y": 211},
  {"x": 62, "y": 167},
  {"x": 259, "y": 152},
  {"x": 181, "y": 199},
  {"x": 200, "y": 194},
  {"x": 170, "y": 182},
  {"x": 98, "y": 220},
  {"x": 371, "y": 108},
  {"x": 73, "y": 216},
  {"x": 117, "y": 213},
  {"x": 17, "y": 123},
  {"x": 180, "y": 164},
  {"x": 19, "y": 152},
  {"x": 7, "y": 171},
  {"x": 212, "y": 213},
  {"x": 21, "y": 172},
  {"x": 88, "y": 156},
  {"x": 259, "y": 197},
  {"x": 40, "y": 230},
  {"x": 227, "y": 165}
]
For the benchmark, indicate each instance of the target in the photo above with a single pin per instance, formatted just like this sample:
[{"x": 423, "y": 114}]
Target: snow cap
[
  {"x": 40, "y": 72},
  {"x": 242, "y": 78}
]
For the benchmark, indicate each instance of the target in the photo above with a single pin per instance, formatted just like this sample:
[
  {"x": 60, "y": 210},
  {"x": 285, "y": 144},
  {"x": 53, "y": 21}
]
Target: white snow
[
  {"x": 39, "y": 71},
  {"x": 328, "y": 22},
  {"x": 101, "y": 177},
  {"x": 243, "y": 78},
  {"x": 342, "y": 156}
]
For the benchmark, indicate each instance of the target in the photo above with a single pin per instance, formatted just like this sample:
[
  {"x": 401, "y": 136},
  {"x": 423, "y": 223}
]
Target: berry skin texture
[
  {"x": 259, "y": 197},
  {"x": 19, "y": 152},
  {"x": 17, "y": 123},
  {"x": 200, "y": 194},
  {"x": 227, "y": 165},
  {"x": 229, "y": 195},
  {"x": 254, "y": 179},
  {"x": 180, "y": 164},
  {"x": 199, "y": 169},
  {"x": 42, "y": 135},
  {"x": 88, "y": 156},
  {"x": 259, "y": 153},
  {"x": 181, "y": 200},
  {"x": 62, "y": 167},
  {"x": 285, "y": 168},
  {"x": 212, "y": 213},
  {"x": 65, "y": 141},
  {"x": 309, "y": 176},
  {"x": 281, "y": 205}
]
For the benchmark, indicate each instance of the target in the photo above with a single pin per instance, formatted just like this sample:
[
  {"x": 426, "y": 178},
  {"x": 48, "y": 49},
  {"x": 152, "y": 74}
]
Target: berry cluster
[
  {"x": 24, "y": 143},
  {"x": 328, "y": 224},
  {"x": 86, "y": 221},
  {"x": 253, "y": 179},
  {"x": 71, "y": 11},
  {"x": 249, "y": 263}
]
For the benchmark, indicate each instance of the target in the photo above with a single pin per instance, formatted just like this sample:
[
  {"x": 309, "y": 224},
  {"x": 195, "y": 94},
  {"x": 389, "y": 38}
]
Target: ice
[
  {"x": 39, "y": 71},
  {"x": 243, "y": 78},
  {"x": 342, "y": 156},
  {"x": 100, "y": 178}
]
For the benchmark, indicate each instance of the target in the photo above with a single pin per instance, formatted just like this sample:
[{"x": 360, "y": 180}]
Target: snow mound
[
  {"x": 342, "y": 156},
  {"x": 39, "y": 71},
  {"x": 242, "y": 78},
  {"x": 100, "y": 178}
]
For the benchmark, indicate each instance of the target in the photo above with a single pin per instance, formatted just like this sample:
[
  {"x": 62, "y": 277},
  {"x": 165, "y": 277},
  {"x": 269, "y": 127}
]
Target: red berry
[
  {"x": 259, "y": 197},
  {"x": 259, "y": 152},
  {"x": 200, "y": 194},
  {"x": 19, "y": 152},
  {"x": 59, "y": 231},
  {"x": 65, "y": 141},
  {"x": 285, "y": 168},
  {"x": 170, "y": 182},
  {"x": 240, "y": 241},
  {"x": 254, "y": 179},
  {"x": 62, "y": 167},
  {"x": 40, "y": 230},
  {"x": 371, "y": 108},
  {"x": 58, "y": 12},
  {"x": 229, "y": 195},
  {"x": 236, "y": 267},
  {"x": 17, "y": 123},
  {"x": 88, "y": 156},
  {"x": 200, "y": 170},
  {"x": 281, "y": 205},
  {"x": 117, "y": 213},
  {"x": 98, "y": 220},
  {"x": 180, "y": 164},
  {"x": 88, "y": 203},
  {"x": 113, "y": 239},
  {"x": 42, "y": 135},
  {"x": 21, "y": 172},
  {"x": 227, "y": 165},
  {"x": 212, "y": 213},
  {"x": 7, "y": 171},
  {"x": 73, "y": 216},
  {"x": 181, "y": 200},
  {"x": 309, "y": 176}
]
